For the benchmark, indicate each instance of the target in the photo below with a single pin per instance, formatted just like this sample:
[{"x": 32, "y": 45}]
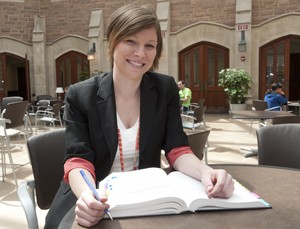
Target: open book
[{"x": 152, "y": 192}]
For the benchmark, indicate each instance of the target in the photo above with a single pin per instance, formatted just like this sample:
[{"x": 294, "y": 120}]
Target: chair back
[
  {"x": 56, "y": 109},
  {"x": 278, "y": 145},
  {"x": 15, "y": 112},
  {"x": 197, "y": 140},
  {"x": 286, "y": 119},
  {"x": 47, "y": 153},
  {"x": 259, "y": 105},
  {"x": 9, "y": 99},
  {"x": 43, "y": 97},
  {"x": 201, "y": 102},
  {"x": 199, "y": 114}
]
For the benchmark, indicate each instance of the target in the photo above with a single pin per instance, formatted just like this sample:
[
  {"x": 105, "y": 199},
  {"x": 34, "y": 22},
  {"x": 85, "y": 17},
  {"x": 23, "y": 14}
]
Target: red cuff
[
  {"x": 77, "y": 162},
  {"x": 177, "y": 152}
]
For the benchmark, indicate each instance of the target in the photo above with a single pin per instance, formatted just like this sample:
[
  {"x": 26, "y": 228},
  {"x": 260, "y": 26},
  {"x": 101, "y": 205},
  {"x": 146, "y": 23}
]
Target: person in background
[
  {"x": 121, "y": 120},
  {"x": 275, "y": 97},
  {"x": 185, "y": 95}
]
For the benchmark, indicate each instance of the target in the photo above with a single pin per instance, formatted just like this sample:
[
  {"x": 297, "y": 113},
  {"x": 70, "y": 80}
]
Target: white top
[{"x": 128, "y": 137}]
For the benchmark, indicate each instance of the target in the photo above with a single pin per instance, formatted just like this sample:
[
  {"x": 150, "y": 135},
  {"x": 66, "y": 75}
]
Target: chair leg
[
  {"x": 11, "y": 160},
  {"x": 3, "y": 160},
  {"x": 205, "y": 154}
]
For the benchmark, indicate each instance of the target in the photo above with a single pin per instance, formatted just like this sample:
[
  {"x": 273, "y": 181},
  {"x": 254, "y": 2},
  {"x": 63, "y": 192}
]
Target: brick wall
[
  {"x": 16, "y": 19},
  {"x": 184, "y": 13},
  {"x": 263, "y": 10},
  {"x": 72, "y": 16}
]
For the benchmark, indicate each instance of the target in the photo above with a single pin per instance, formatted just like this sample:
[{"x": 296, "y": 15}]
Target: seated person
[
  {"x": 275, "y": 97},
  {"x": 185, "y": 96}
]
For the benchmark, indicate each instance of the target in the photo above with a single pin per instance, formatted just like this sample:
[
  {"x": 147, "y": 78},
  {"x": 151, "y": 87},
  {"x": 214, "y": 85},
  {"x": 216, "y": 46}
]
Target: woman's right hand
[{"x": 89, "y": 211}]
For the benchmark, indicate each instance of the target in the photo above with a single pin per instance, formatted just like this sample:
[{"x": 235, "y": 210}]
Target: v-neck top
[{"x": 128, "y": 137}]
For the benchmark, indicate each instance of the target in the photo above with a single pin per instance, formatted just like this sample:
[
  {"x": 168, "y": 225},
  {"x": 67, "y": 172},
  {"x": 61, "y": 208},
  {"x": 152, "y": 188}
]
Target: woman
[
  {"x": 121, "y": 120},
  {"x": 275, "y": 97}
]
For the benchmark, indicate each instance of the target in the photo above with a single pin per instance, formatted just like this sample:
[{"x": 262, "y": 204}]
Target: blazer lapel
[
  {"x": 147, "y": 110},
  {"x": 107, "y": 112}
]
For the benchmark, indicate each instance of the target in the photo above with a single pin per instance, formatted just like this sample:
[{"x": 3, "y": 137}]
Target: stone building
[{"x": 44, "y": 43}]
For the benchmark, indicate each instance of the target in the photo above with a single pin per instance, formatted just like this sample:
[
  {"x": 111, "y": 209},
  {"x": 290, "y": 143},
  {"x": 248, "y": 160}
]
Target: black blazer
[{"x": 91, "y": 124}]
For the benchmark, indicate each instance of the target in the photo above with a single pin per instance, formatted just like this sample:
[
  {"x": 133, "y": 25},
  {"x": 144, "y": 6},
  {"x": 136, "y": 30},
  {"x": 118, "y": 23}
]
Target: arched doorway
[
  {"x": 280, "y": 62},
  {"x": 199, "y": 66},
  {"x": 14, "y": 76},
  {"x": 70, "y": 67}
]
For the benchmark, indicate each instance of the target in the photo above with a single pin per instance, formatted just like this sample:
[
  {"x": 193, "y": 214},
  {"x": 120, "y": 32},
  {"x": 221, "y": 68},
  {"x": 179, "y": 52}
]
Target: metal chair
[
  {"x": 198, "y": 141},
  {"x": 46, "y": 152},
  {"x": 5, "y": 135},
  {"x": 261, "y": 105},
  {"x": 50, "y": 115},
  {"x": 9, "y": 99},
  {"x": 278, "y": 145},
  {"x": 196, "y": 120},
  {"x": 16, "y": 113}
]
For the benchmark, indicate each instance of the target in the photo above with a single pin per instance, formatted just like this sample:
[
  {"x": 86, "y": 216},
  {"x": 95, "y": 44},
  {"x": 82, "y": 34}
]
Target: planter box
[{"x": 238, "y": 107}]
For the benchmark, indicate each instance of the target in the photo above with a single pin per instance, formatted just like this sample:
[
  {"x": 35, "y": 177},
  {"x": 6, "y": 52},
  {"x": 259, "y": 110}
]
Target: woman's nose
[{"x": 140, "y": 51}]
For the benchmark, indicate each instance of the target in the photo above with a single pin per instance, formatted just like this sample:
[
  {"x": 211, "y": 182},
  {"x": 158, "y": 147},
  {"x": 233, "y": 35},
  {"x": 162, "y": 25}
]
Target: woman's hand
[
  {"x": 90, "y": 211},
  {"x": 218, "y": 183}
]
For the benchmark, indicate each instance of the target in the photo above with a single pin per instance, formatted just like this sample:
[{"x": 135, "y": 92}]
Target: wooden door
[
  {"x": 216, "y": 60},
  {"x": 70, "y": 67},
  {"x": 274, "y": 66},
  {"x": 199, "y": 68},
  {"x": 280, "y": 62}
]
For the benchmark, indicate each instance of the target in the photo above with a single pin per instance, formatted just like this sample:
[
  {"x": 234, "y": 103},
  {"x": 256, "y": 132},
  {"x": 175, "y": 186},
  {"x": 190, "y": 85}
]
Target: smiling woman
[{"x": 121, "y": 120}]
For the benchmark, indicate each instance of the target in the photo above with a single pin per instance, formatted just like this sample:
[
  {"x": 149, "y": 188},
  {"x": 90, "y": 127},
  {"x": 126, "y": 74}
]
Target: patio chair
[
  {"x": 197, "y": 120},
  {"x": 16, "y": 114},
  {"x": 9, "y": 99},
  {"x": 46, "y": 152},
  {"x": 198, "y": 140},
  {"x": 261, "y": 105},
  {"x": 5, "y": 135},
  {"x": 278, "y": 145},
  {"x": 50, "y": 115}
]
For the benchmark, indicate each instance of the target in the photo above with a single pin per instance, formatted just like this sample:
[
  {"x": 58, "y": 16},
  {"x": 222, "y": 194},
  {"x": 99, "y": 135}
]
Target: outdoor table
[{"x": 278, "y": 186}]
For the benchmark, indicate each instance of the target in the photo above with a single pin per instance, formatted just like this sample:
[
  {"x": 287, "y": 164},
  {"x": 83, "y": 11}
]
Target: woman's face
[{"x": 134, "y": 55}]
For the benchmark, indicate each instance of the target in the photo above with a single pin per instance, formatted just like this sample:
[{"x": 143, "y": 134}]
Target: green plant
[{"x": 236, "y": 83}]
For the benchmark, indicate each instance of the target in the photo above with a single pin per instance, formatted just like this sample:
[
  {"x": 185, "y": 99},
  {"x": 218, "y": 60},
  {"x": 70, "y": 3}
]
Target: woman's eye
[
  {"x": 130, "y": 41},
  {"x": 150, "y": 46}
]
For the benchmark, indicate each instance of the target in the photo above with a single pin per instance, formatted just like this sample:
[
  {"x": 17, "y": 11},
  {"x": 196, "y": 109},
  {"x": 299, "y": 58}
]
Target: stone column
[
  {"x": 163, "y": 15},
  {"x": 243, "y": 34},
  {"x": 96, "y": 37},
  {"x": 243, "y": 40},
  {"x": 39, "y": 56}
]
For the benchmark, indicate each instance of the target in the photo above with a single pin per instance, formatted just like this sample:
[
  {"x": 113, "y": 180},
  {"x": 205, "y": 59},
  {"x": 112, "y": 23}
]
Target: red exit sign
[{"x": 242, "y": 27}]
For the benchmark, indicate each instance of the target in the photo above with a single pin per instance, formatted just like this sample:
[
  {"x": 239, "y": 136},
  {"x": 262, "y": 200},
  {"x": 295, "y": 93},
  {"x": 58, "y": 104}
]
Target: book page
[
  {"x": 193, "y": 192},
  {"x": 139, "y": 191}
]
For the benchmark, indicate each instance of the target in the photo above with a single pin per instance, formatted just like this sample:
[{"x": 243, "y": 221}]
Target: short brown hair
[{"x": 128, "y": 20}]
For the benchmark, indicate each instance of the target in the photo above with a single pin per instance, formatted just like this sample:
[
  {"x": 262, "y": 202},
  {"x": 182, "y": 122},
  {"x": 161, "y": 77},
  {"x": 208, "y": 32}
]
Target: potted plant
[{"x": 236, "y": 84}]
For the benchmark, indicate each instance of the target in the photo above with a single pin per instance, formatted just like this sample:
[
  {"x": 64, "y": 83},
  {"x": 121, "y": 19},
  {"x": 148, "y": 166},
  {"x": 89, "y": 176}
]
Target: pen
[{"x": 87, "y": 181}]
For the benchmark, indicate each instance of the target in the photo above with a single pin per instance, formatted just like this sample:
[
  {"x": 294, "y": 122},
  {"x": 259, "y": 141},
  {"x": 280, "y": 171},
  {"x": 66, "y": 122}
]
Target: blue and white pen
[{"x": 88, "y": 182}]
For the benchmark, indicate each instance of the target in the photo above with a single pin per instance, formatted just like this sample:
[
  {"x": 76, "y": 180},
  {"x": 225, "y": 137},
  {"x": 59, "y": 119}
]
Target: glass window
[
  {"x": 196, "y": 67},
  {"x": 187, "y": 71},
  {"x": 280, "y": 63},
  {"x": 270, "y": 66},
  {"x": 211, "y": 64}
]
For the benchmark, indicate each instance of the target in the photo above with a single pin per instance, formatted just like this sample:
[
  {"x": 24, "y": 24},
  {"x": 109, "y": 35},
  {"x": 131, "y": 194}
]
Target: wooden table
[
  {"x": 259, "y": 114},
  {"x": 278, "y": 186},
  {"x": 295, "y": 105}
]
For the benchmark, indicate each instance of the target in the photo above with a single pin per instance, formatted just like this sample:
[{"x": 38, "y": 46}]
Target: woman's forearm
[
  {"x": 77, "y": 183},
  {"x": 190, "y": 165}
]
